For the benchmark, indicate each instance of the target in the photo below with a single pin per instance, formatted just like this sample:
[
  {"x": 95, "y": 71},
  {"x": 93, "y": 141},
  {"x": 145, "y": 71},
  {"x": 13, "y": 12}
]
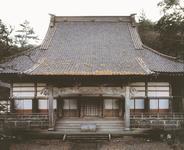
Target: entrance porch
[
  {"x": 81, "y": 114},
  {"x": 90, "y": 107},
  {"x": 89, "y": 125},
  {"x": 89, "y": 102}
]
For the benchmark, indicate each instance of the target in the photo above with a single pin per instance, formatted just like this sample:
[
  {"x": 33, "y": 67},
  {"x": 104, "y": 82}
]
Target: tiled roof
[{"x": 91, "y": 46}]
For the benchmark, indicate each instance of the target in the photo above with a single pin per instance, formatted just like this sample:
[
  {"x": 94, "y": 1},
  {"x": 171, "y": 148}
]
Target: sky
[{"x": 14, "y": 12}]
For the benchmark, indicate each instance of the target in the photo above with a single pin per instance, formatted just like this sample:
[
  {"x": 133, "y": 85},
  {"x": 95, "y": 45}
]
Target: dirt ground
[{"x": 128, "y": 143}]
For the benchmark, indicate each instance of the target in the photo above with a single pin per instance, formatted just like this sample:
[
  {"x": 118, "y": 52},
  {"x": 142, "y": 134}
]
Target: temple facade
[{"x": 95, "y": 74}]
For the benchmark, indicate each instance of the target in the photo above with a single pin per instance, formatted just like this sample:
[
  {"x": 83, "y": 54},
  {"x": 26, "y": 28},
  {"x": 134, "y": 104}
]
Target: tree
[
  {"x": 25, "y": 35},
  {"x": 6, "y": 41},
  {"x": 171, "y": 27},
  {"x": 147, "y": 32},
  {"x": 170, "y": 6}
]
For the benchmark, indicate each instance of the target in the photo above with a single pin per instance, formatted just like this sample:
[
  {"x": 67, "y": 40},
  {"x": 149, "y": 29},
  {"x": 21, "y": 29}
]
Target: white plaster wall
[
  {"x": 139, "y": 104},
  {"x": 43, "y": 104},
  {"x": 163, "y": 104},
  {"x": 158, "y": 89},
  {"x": 107, "y": 104},
  {"x": 40, "y": 88},
  {"x": 23, "y": 104},
  {"x": 153, "y": 103},
  {"x": 137, "y": 89},
  {"x": 70, "y": 104},
  {"x": 111, "y": 104},
  {"x": 23, "y": 90}
]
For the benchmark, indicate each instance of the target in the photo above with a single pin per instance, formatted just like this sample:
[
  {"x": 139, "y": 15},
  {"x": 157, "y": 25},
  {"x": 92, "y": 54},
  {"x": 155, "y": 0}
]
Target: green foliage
[
  {"x": 11, "y": 43},
  {"x": 6, "y": 41},
  {"x": 170, "y": 6},
  {"x": 147, "y": 32},
  {"x": 171, "y": 27},
  {"x": 167, "y": 35},
  {"x": 145, "y": 23},
  {"x": 25, "y": 34}
]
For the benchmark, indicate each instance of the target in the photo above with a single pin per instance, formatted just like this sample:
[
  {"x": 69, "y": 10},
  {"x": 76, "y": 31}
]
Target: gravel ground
[{"x": 127, "y": 143}]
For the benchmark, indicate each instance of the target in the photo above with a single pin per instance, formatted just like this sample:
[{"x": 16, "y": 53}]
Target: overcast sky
[{"x": 36, "y": 11}]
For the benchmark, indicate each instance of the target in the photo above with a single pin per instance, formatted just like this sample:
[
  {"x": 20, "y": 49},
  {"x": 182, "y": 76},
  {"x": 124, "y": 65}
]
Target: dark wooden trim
[
  {"x": 12, "y": 101},
  {"x": 74, "y": 96},
  {"x": 59, "y": 107},
  {"x": 35, "y": 105},
  {"x": 79, "y": 106},
  {"x": 146, "y": 105},
  {"x": 12, "y": 105},
  {"x": 146, "y": 99},
  {"x": 102, "y": 105}
]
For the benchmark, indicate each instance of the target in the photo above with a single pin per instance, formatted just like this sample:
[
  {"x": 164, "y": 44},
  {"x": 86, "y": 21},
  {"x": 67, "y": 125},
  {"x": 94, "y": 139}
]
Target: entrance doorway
[{"x": 91, "y": 107}]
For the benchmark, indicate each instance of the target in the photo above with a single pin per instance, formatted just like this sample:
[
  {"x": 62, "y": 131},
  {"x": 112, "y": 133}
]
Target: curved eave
[{"x": 158, "y": 53}]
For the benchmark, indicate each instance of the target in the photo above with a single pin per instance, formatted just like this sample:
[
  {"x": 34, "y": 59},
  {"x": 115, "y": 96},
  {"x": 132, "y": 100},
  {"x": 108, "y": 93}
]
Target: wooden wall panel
[
  {"x": 71, "y": 113},
  {"x": 111, "y": 113}
]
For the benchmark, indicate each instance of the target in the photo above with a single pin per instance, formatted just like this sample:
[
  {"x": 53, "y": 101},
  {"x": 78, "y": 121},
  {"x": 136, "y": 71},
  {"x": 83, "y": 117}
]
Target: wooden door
[{"x": 91, "y": 108}]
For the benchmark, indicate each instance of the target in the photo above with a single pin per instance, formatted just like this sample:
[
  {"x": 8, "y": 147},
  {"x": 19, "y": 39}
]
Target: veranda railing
[{"x": 157, "y": 120}]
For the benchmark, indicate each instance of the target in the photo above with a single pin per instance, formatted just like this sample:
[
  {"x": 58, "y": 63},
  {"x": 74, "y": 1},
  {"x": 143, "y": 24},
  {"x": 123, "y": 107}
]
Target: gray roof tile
[{"x": 86, "y": 47}]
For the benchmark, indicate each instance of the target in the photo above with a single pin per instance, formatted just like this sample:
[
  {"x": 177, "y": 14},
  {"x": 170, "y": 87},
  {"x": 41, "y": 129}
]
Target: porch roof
[{"x": 91, "y": 46}]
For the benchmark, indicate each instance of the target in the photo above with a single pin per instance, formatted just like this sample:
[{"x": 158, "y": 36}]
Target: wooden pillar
[
  {"x": 121, "y": 107},
  {"x": 127, "y": 108},
  {"x": 35, "y": 100},
  {"x": 35, "y": 105},
  {"x": 79, "y": 106},
  {"x": 60, "y": 107},
  {"x": 12, "y": 101},
  {"x": 171, "y": 99},
  {"x": 102, "y": 105},
  {"x": 146, "y": 100},
  {"x": 51, "y": 110}
]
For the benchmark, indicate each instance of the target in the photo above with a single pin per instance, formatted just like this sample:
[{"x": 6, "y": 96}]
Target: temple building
[{"x": 94, "y": 74}]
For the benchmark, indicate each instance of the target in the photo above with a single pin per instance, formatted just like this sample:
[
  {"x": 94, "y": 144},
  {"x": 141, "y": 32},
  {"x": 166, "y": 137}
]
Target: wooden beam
[{"x": 90, "y": 95}]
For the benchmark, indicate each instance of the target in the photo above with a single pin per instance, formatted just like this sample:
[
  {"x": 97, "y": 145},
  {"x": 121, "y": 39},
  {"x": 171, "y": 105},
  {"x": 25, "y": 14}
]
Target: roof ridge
[
  {"x": 135, "y": 37},
  {"x": 143, "y": 65},
  {"x": 92, "y": 18},
  {"x": 48, "y": 37}
]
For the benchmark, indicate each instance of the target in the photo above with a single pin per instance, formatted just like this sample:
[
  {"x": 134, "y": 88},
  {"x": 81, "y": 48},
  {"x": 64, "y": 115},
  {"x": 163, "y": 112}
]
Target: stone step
[
  {"x": 122, "y": 123},
  {"x": 98, "y": 126},
  {"x": 88, "y": 137},
  {"x": 81, "y": 120},
  {"x": 97, "y": 123},
  {"x": 102, "y": 127},
  {"x": 98, "y": 130}
]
